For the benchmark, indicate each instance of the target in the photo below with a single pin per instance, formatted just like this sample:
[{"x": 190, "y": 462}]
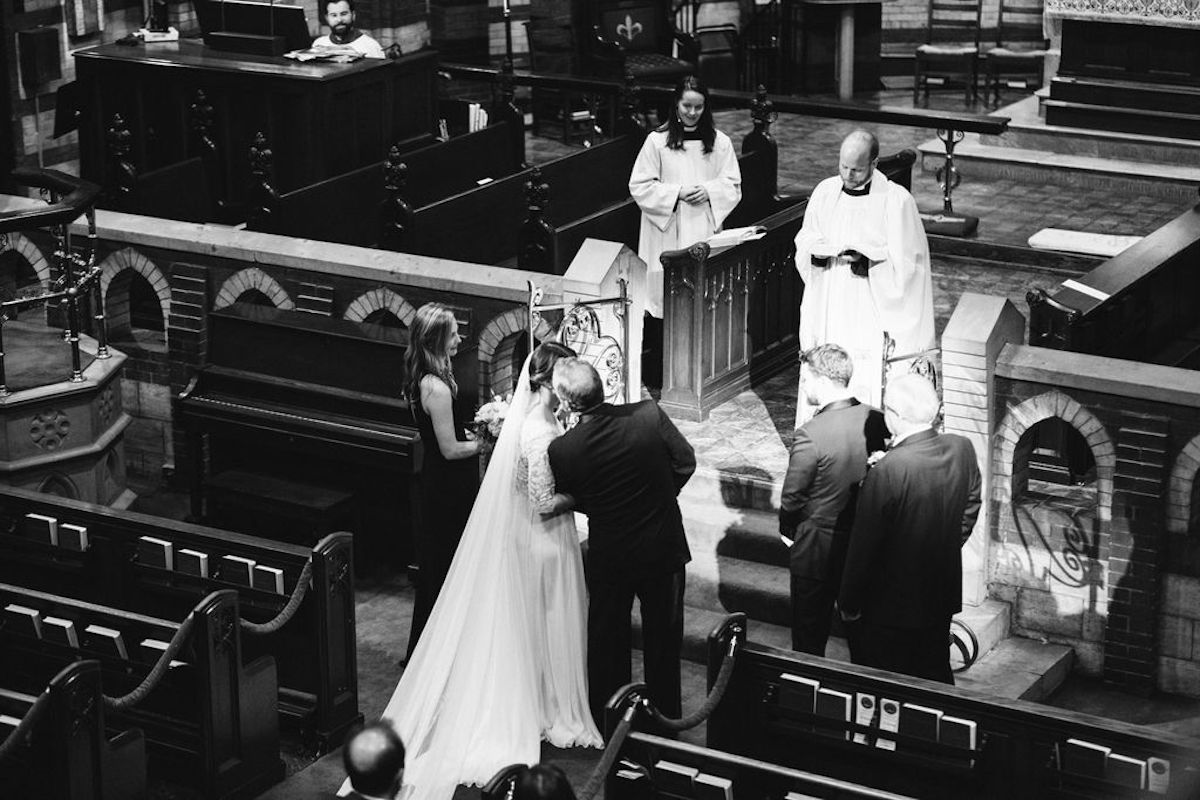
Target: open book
[
  {"x": 336, "y": 53},
  {"x": 734, "y": 236}
]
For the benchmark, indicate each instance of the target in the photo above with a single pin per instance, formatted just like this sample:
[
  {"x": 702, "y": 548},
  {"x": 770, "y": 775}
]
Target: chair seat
[
  {"x": 947, "y": 50},
  {"x": 657, "y": 65},
  {"x": 1009, "y": 53}
]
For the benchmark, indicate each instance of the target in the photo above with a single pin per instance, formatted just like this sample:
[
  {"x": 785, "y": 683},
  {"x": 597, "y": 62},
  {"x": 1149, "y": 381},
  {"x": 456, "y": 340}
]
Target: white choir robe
[
  {"x": 668, "y": 223},
  {"x": 896, "y": 296}
]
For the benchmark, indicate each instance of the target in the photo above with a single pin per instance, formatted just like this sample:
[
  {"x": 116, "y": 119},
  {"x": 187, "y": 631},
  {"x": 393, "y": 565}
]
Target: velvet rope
[
  {"x": 288, "y": 611},
  {"x": 151, "y": 680}
]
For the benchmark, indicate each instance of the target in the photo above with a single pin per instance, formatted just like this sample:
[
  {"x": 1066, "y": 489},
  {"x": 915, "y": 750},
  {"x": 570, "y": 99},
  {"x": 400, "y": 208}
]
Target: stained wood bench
[
  {"x": 208, "y": 720},
  {"x": 357, "y": 207},
  {"x": 67, "y": 753},
  {"x": 946, "y": 742},
  {"x": 314, "y": 651}
]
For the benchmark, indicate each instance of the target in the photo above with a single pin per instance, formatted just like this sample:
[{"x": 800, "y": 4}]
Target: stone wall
[{"x": 1086, "y": 565}]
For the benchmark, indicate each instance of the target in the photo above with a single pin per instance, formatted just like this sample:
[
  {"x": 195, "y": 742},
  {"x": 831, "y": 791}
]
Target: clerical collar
[
  {"x": 693, "y": 136},
  {"x": 866, "y": 187}
]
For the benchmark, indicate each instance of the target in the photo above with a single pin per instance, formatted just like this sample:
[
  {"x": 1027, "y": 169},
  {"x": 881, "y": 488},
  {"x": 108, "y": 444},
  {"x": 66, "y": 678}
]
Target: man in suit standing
[
  {"x": 827, "y": 462},
  {"x": 903, "y": 577},
  {"x": 625, "y": 465},
  {"x": 374, "y": 762}
]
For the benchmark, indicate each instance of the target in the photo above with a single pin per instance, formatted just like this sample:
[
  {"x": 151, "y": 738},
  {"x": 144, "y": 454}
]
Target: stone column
[{"x": 978, "y": 329}]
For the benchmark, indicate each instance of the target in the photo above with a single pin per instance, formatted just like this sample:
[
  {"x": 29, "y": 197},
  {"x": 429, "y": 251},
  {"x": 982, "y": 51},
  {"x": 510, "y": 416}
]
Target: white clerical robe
[
  {"x": 668, "y": 223},
  {"x": 896, "y": 296}
]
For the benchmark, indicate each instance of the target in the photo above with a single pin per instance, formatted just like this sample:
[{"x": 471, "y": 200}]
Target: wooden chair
[
  {"x": 1020, "y": 52},
  {"x": 637, "y": 37},
  {"x": 552, "y": 50},
  {"x": 951, "y": 49}
]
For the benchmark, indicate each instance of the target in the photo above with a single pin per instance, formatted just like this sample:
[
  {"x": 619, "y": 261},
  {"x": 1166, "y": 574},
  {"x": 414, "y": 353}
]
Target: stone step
[
  {"x": 749, "y": 490},
  {"x": 977, "y": 161},
  {"x": 1026, "y": 131},
  {"x": 1015, "y": 668}
]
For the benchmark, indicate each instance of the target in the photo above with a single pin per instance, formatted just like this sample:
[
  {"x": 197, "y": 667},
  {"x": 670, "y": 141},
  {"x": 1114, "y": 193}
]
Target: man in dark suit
[
  {"x": 903, "y": 577},
  {"x": 827, "y": 462},
  {"x": 374, "y": 761},
  {"x": 625, "y": 465}
]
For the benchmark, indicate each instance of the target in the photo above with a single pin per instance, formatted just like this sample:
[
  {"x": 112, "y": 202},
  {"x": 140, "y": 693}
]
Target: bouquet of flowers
[{"x": 490, "y": 418}]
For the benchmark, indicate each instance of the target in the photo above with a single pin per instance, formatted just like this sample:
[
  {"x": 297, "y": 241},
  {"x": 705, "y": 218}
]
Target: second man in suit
[
  {"x": 625, "y": 465},
  {"x": 827, "y": 462},
  {"x": 916, "y": 509}
]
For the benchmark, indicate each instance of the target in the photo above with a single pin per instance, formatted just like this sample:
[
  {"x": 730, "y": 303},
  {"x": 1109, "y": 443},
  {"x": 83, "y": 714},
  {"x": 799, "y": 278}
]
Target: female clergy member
[{"x": 686, "y": 181}]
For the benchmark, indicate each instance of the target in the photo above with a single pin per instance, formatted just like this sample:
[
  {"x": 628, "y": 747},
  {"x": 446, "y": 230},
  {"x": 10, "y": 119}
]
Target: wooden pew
[
  {"x": 1138, "y": 305},
  {"x": 358, "y": 208},
  {"x": 982, "y": 747},
  {"x": 314, "y": 651},
  {"x": 67, "y": 753},
  {"x": 483, "y": 225},
  {"x": 209, "y": 720}
]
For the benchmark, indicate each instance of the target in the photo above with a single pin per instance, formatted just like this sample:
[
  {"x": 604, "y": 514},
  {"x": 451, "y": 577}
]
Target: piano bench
[{"x": 278, "y": 508}]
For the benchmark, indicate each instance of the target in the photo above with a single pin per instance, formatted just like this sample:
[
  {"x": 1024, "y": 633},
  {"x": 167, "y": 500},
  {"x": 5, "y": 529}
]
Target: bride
[{"x": 500, "y": 664}]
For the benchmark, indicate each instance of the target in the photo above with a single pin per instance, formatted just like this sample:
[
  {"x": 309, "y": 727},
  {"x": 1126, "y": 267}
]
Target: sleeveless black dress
[{"x": 447, "y": 494}]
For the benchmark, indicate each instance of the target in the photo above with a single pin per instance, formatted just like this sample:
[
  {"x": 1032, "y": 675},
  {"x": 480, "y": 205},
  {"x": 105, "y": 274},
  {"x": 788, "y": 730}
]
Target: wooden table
[{"x": 319, "y": 119}]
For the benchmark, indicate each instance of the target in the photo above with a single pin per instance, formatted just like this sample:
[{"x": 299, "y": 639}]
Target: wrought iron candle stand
[{"x": 78, "y": 279}]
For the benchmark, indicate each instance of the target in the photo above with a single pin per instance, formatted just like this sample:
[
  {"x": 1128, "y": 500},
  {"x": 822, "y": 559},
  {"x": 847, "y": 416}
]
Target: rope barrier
[
  {"x": 160, "y": 668},
  {"x": 18, "y": 736},
  {"x": 288, "y": 611},
  {"x": 592, "y": 787},
  {"x": 710, "y": 702}
]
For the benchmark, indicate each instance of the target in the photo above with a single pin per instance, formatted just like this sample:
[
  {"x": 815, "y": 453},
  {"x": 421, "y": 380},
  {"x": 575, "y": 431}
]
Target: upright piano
[{"x": 297, "y": 427}]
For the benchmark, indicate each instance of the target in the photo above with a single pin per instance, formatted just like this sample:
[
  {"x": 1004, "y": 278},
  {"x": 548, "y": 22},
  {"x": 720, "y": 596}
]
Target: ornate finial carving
[
  {"x": 537, "y": 193},
  {"x": 762, "y": 110},
  {"x": 120, "y": 143},
  {"x": 262, "y": 196},
  {"x": 202, "y": 122},
  {"x": 395, "y": 171},
  {"x": 261, "y": 157},
  {"x": 395, "y": 214}
]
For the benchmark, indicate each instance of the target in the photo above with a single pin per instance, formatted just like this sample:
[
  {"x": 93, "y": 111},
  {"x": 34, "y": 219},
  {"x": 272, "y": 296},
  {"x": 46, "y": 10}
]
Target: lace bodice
[{"x": 534, "y": 477}]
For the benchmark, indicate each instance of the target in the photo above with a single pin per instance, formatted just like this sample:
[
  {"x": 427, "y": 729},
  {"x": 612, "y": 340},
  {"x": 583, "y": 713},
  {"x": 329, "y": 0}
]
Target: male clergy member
[
  {"x": 864, "y": 260},
  {"x": 339, "y": 14},
  {"x": 903, "y": 576},
  {"x": 827, "y": 462}
]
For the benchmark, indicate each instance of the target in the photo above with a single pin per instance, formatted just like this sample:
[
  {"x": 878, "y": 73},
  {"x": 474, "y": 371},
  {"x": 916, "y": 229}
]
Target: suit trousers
[
  {"x": 919, "y": 652},
  {"x": 812, "y": 614},
  {"x": 610, "y": 638}
]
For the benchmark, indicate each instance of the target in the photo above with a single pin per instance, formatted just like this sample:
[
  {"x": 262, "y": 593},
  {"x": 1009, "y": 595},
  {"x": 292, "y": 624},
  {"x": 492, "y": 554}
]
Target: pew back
[
  {"x": 345, "y": 209},
  {"x": 314, "y": 651},
  {"x": 927, "y": 739},
  {"x": 208, "y": 715},
  {"x": 68, "y": 754}
]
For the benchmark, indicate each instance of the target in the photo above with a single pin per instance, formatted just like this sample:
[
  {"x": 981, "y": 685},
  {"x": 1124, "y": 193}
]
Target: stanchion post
[{"x": 948, "y": 223}]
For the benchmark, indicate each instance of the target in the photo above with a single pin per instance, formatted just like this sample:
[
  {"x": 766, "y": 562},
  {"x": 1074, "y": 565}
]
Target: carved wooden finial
[
  {"x": 261, "y": 157},
  {"x": 395, "y": 171},
  {"x": 537, "y": 192}
]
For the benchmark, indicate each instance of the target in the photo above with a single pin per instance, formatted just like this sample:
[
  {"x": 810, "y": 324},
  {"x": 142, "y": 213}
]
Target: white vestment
[
  {"x": 896, "y": 296},
  {"x": 363, "y": 43},
  {"x": 668, "y": 223}
]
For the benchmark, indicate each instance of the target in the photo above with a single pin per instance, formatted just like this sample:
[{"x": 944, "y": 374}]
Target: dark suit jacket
[
  {"x": 828, "y": 460},
  {"x": 624, "y": 466},
  {"x": 915, "y": 510}
]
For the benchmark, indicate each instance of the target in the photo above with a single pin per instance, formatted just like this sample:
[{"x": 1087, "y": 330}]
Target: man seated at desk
[{"x": 339, "y": 14}]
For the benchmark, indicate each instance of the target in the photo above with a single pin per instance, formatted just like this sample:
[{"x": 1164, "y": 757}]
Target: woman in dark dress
[{"x": 450, "y": 471}]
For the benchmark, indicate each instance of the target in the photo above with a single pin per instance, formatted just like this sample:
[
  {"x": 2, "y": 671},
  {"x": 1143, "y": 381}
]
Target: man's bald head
[
  {"x": 912, "y": 398},
  {"x": 374, "y": 759},
  {"x": 857, "y": 157}
]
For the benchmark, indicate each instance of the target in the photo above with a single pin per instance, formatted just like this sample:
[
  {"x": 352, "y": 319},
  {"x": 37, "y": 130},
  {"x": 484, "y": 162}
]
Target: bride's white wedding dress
[{"x": 500, "y": 664}]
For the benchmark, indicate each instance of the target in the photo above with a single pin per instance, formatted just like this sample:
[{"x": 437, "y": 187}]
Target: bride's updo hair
[{"x": 541, "y": 365}]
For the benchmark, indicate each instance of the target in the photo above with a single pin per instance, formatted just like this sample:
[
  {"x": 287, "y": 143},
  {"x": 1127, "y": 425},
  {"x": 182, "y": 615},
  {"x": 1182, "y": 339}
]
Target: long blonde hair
[{"x": 427, "y": 353}]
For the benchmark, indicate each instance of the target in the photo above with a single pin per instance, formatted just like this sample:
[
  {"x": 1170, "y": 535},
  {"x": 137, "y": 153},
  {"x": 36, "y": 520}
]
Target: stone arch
[
  {"x": 115, "y": 274},
  {"x": 380, "y": 299},
  {"x": 252, "y": 278},
  {"x": 496, "y": 338},
  {"x": 1182, "y": 487},
  {"x": 19, "y": 244},
  {"x": 1010, "y": 481}
]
